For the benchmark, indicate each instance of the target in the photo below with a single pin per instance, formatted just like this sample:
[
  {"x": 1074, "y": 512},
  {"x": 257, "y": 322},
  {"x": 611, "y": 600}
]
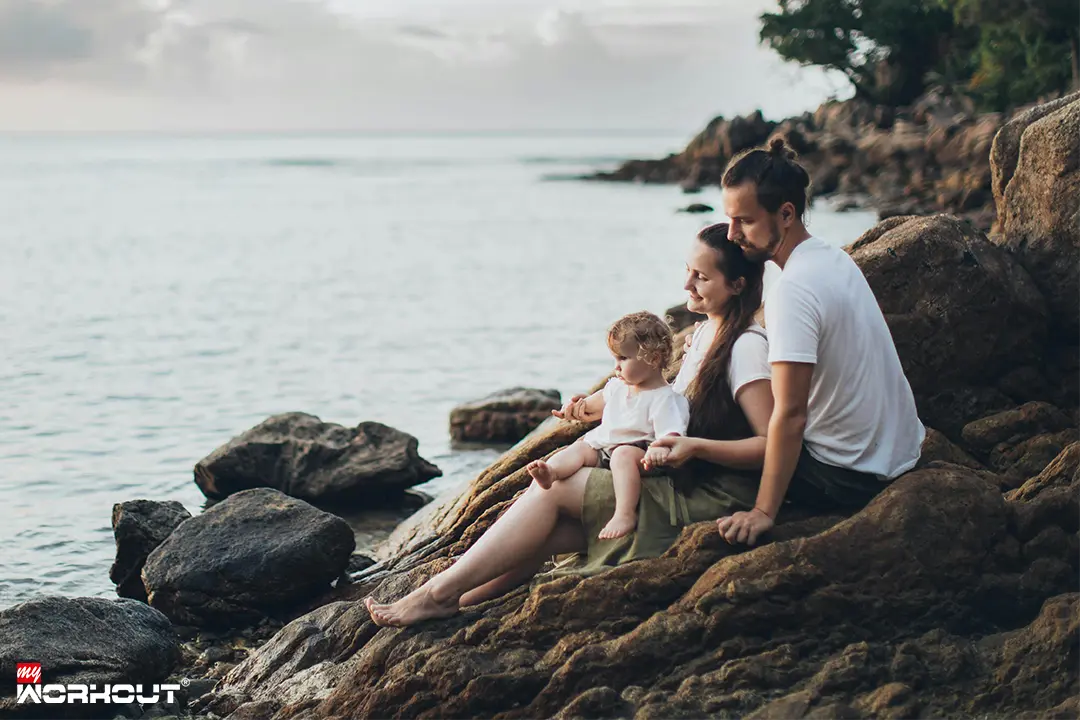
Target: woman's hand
[
  {"x": 745, "y": 527},
  {"x": 679, "y": 450},
  {"x": 690, "y": 337}
]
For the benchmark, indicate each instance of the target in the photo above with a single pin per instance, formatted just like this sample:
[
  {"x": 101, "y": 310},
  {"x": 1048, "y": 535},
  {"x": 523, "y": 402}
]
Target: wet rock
[
  {"x": 302, "y": 456},
  {"x": 257, "y": 553},
  {"x": 697, "y": 208},
  {"x": 84, "y": 640},
  {"x": 503, "y": 417},
  {"x": 959, "y": 308},
  {"x": 1036, "y": 182},
  {"x": 139, "y": 526}
]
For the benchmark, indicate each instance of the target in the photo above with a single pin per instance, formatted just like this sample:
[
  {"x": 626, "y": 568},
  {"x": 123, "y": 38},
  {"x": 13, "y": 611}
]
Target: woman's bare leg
[
  {"x": 626, "y": 473},
  {"x": 567, "y": 537},
  {"x": 514, "y": 540}
]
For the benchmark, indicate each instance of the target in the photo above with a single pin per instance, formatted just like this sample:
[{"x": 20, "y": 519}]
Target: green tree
[
  {"x": 884, "y": 47},
  {"x": 1023, "y": 49}
]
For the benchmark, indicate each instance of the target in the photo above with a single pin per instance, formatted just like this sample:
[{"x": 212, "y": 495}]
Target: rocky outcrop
[
  {"x": 139, "y": 526},
  {"x": 921, "y": 604},
  {"x": 930, "y": 157},
  {"x": 503, "y": 417},
  {"x": 255, "y": 554},
  {"x": 83, "y": 640},
  {"x": 961, "y": 310},
  {"x": 306, "y": 458},
  {"x": 1036, "y": 182}
]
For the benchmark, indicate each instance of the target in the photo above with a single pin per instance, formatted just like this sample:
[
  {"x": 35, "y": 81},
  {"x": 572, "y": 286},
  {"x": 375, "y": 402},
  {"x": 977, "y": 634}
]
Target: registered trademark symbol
[{"x": 185, "y": 682}]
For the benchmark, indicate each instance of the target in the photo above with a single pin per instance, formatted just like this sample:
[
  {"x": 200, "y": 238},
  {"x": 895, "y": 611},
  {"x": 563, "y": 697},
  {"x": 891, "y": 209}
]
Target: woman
[{"x": 725, "y": 376}]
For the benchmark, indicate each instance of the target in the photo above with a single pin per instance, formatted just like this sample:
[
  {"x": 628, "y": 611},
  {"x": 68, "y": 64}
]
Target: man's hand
[
  {"x": 573, "y": 409},
  {"x": 745, "y": 527},
  {"x": 679, "y": 450}
]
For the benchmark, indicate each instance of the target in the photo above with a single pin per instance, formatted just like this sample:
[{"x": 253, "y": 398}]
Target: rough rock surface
[
  {"x": 139, "y": 526},
  {"x": 306, "y": 458},
  {"x": 960, "y": 309},
  {"x": 928, "y": 602},
  {"x": 930, "y": 157},
  {"x": 83, "y": 640},
  {"x": 1036, "y": 181},
  {"x": 257, "y": 553},
  {"x": 503, "y": 417}
]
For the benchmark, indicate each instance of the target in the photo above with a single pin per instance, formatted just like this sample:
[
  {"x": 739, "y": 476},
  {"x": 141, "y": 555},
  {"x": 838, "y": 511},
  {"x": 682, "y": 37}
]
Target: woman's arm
[{"x": 756, "y": 401}]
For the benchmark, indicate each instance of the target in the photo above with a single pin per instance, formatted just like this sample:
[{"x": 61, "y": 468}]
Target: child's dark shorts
[{"x": 603, "y": 455}]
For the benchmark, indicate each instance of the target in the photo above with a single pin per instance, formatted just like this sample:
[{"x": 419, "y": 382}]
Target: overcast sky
[{"x": 390, "y": 64}]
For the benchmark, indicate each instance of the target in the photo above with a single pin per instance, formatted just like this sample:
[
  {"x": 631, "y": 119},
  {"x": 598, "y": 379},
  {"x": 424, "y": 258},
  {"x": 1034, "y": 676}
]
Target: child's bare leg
[
  {"x": 562, "y": 464},
  {"x": 625, "y": 464}
]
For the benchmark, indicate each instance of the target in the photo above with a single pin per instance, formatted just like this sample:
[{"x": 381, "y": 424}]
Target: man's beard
[{"x": 769, "y": 251}]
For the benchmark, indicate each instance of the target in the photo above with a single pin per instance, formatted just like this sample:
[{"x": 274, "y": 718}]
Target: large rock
[
  {"x": 306, "y": 458},
  {"x": 503, "y": 417},
  {"x": 139, "y": 526},
  {"x": 895, "y": 612},
  {"x": 257, "y": 553},
  {"x": 961, "y": 310},
  {"x": 83, "y": 640},
  {"x": 1036, "y": 180},
  {"x": 1014, "y": 426}
]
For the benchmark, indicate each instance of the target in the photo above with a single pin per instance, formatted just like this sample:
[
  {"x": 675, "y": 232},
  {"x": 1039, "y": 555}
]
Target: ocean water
[{"x": 159, "y": 295}]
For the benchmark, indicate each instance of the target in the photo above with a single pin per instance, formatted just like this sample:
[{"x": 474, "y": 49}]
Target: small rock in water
[
  {"x": 697, "y": 208},
  {"x": 139, "y": 526},
  {"x": 503, "y": 417}
]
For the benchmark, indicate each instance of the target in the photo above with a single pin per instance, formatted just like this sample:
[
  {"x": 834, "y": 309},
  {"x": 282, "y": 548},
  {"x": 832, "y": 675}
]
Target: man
[{"x": 844, "y": 422}]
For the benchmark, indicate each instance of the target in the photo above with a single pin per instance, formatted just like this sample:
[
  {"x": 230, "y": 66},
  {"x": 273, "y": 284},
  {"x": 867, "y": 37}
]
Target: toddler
[{"x": 637, "y": 406}]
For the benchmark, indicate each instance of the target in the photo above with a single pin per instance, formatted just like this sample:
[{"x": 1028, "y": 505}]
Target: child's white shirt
[{"x": 638, "y": 416}]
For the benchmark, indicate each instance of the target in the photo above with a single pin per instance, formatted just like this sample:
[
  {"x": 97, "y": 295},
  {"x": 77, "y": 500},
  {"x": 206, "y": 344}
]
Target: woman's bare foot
[
  {"x": 542, "y": 473},
  {"x": 417, "y": 606},
  {"x": 618, "y": 525}
]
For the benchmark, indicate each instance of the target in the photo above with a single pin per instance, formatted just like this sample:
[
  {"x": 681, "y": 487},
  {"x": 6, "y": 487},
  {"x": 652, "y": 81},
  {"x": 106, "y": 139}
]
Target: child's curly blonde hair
[{"x": 652, "y": 335}]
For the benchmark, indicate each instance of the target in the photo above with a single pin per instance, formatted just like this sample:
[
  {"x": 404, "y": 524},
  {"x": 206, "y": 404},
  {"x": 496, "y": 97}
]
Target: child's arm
[
  {"x": 583, "y": 408},
  {"x": 592, "y": 407}
]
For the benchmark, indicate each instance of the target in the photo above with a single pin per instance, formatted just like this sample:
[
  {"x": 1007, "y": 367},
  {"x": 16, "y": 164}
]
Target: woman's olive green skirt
[{"x": 665, "y": 508}]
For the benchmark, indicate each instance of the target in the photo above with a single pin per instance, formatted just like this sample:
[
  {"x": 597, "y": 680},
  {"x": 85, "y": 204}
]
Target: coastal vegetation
[{"x": 1000, "y": 53}]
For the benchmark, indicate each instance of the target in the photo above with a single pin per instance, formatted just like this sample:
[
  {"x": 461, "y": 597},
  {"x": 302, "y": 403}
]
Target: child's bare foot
[
  {"x": 542, "y": 473},
  {"x": 415, "y": 607},
  {"x": 618, "y": 526}
]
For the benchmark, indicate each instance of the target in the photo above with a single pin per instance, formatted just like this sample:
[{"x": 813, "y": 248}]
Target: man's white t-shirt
[
  {"x": 861, "y": 413},
  {"x": 749, "y": 358},
  {"x": 638, "y": 416}
]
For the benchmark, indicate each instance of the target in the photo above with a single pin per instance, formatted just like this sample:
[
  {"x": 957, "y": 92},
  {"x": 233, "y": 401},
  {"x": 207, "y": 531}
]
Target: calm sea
[{"x": 159, "y": 295}]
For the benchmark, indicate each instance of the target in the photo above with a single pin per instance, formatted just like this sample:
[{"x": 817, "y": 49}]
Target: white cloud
[{"x": 413, "y": 64}]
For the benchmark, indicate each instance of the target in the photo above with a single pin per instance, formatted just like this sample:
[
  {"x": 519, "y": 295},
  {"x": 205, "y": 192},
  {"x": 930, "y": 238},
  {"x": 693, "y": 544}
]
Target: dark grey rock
[
  {"x": 139, "y": 526},
  {"x": 84, "y": 640},
  {"x": 306, "y": 458},
  {"x": 503, "y": 417},
  {"x": 258, "y": 553}
]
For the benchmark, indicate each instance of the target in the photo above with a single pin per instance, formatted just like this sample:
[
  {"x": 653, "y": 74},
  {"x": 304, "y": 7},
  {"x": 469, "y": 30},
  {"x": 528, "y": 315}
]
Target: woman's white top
[
  {"x": 749, "y": 358},
  {"x": 633, "y": 416}
]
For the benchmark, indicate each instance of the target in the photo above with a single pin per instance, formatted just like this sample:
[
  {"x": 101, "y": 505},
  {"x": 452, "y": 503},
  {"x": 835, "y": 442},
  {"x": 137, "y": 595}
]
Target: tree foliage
[{"x": 1003, "y": 52}]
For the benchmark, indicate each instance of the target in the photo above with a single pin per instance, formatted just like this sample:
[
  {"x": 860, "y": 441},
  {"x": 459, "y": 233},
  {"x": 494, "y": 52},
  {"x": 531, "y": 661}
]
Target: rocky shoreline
[
  {"x": 952, "y": 593},
  {"x": 930, "y": 157}
]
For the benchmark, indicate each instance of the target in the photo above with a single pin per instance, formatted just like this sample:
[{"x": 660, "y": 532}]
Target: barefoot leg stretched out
[{"x": 529, "y": 530}]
